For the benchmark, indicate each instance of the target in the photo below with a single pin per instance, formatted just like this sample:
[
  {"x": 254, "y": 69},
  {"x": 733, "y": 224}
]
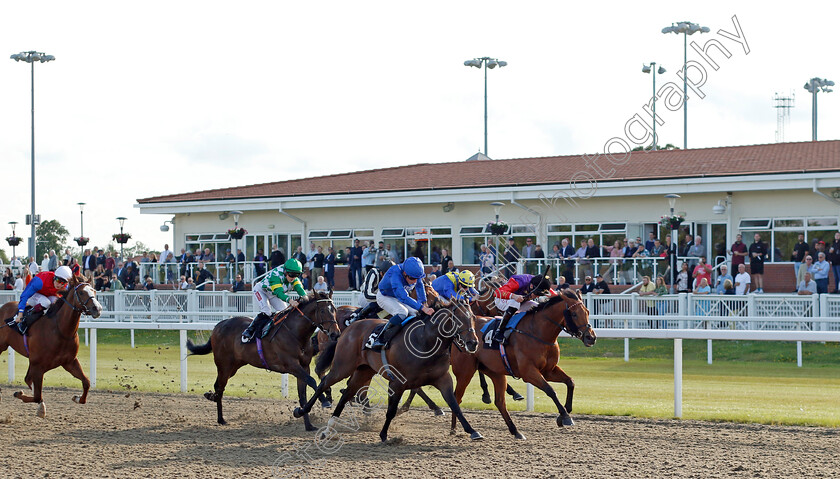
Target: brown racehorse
[
  {"x": 418, "y": 356},
  {"x": 532, "y": 352},
  {"x": 342, "y": 313},
  {"x": 53, "y": 340},
  {"x": 286, "y": 348}
]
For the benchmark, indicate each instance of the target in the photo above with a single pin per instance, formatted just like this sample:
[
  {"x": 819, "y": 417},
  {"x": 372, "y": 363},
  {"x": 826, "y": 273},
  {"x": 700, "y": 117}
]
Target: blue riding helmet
[{"x": 413, "y": 268}]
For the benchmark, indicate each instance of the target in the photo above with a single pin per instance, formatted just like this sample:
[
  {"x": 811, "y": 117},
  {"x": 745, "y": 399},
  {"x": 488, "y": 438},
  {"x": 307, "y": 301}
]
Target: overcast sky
[{"x": 154, "y": 98}]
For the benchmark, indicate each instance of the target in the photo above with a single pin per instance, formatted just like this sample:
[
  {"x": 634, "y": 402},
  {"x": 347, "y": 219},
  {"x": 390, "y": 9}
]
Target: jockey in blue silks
[
  {"x": 393, "y": 297},
  {"x": 456, "y": 286}
]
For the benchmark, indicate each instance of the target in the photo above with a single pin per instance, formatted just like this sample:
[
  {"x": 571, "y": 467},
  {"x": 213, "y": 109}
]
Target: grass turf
[{"x": 748, "y": 381}]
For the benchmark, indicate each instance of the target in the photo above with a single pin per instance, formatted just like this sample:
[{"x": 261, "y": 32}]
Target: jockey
[
  {"x": 40, "y": 293},
  {"x": 516, "y": 295},
  {"x": 393, "y": 297},
  {"x": 456, "y": 286},
  {"x": 271, "y": 293},
  {"x": 367, "y": 300}
]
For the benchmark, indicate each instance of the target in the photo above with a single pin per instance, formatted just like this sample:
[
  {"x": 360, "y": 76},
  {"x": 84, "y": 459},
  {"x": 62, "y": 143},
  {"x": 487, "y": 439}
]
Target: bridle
[
  {"x": 83, "y": 308},
  {"x": 320, "y": 325},
  {"x": 459, "y": 340},
  {"x": 569, "y": 326}
]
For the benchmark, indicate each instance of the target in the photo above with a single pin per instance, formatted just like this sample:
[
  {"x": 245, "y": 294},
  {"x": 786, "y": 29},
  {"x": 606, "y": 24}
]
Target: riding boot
[
  {"x": 29, "y": 317},
  {"x": 363, "y": 312},
  {"x": 500, "y": 331},
  {"x": 387, "y": 332},
  {"x": 256, "y": 324}
]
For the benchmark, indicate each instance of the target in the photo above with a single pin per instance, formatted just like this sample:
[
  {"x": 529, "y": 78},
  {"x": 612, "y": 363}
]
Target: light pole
[
  {"x": 672, "y": 256},
  {"x": 648, "y": 69},
  {"x": 236, "y": 245},
  {"x": 497, "y": 207},
  {"x": 82, "y": 218},
  {"x": 14, "y": 223},
  {"x": 490, "y": 63},
  {"x": 32, "y": 57},
  {"x": 686, "y": 28},
  {"x": 121, "y": 219},
  {"x": 814, "y": 86}
]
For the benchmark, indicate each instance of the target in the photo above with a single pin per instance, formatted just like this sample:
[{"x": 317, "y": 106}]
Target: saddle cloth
[
  {"x": 373, "y": 335},
  {"x": 489, "y": 329}
]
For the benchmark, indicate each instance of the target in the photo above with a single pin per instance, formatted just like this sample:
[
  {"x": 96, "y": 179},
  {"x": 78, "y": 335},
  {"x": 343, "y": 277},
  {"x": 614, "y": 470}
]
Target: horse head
[
  {"x": 576, "y": 317},
  {"x": 321, "y": 307},
  {"x": 460, "y": 319},
  {"x": 82, "y": 298}
]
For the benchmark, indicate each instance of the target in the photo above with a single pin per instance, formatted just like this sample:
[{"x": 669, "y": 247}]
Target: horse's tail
[
  {"x": 325, "y": 359},
  {"x": 203, "y": 349}
]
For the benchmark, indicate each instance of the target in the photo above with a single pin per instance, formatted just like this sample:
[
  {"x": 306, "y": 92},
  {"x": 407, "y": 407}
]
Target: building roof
[{"x": 702, "y": 162}]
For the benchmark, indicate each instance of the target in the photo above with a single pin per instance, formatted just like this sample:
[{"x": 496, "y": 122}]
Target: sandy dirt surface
[{"x": 159, "y": 435}]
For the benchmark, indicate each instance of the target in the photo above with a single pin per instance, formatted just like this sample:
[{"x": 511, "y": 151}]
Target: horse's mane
[
  {"x": 568, "y": 293},
  {"x": 315, "y": 295}
]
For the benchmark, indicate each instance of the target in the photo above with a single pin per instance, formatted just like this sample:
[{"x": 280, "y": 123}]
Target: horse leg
[
  {"x": 223, "y": 374},
  {"x": 36, "y": 376},
  {"x": 407, "y": 404},
  {"x": 434, "y": 407},
  {"x": 513, "y": 394},
  {"x": 444, "y": 385},
  {"x": 485, "y": 394},
  {"x": 29, "y": 382},
  {"x": 557, "y": 375},
  {"x": 335, "y": 375},
  {"x": 75, "y": 369},
  {"x": 532, "y": 375},
  {"x": 393, "y": 402},
  {"x": 357, "y": 381},
  {"x": 499, "y": 383},
  {"x": 464, "y": 371},
  {"x": 301, "y": 388}
]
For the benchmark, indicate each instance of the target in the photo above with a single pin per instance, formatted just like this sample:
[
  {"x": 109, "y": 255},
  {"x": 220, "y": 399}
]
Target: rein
[
  {"x": 563, "y": 326},
  {"x": 318, "y": 326}
]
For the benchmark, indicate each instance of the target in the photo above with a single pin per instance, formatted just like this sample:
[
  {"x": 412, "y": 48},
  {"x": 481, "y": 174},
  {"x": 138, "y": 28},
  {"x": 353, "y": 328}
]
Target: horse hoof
[
  {"x": 565, "y": 421},
  {"x": 298, "y": 412},
  {"x": 222, "y": 422},
  {"x": 209, "y": 397},
  {"x": 326, "y": 404},
  {"x": 42, "y": 410},
  {"x": 518, "y": 397},
  {"x": 476, "y": 436},
  {"x": 311, "y": 428},
  {"x": 453, "y": 432},
  {"x": 77, "y": 399},
  {"x": 18, "y": 394},
  {"x": 519, "y": 435},
  {"x": 439, "y": 412},
  {"x": 485, "y": 398}
]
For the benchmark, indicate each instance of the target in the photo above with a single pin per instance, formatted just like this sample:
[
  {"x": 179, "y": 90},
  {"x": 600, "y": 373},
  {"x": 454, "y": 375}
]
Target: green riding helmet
[{"x": 292, "y": 266}]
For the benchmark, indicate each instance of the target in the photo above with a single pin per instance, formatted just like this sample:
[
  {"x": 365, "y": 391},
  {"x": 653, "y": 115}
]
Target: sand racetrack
[{"x": 160, "y": 435}]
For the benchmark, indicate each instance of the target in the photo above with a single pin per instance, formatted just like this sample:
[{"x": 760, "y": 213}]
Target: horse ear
[
  {"x": 331, "y": 293},
  {"x": 577, "y": 293}
]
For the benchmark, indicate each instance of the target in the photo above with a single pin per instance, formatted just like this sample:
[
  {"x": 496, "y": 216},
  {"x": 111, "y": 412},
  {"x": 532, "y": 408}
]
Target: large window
[
  {"x": 339, "y": 240},
  {"x": 426, "y": 243},
  {"x": 472, "y": 237},
  {"x": 782, "y": 234},
  {"x": 605, "y": 234},
  {"x": 218, "y": 243}
]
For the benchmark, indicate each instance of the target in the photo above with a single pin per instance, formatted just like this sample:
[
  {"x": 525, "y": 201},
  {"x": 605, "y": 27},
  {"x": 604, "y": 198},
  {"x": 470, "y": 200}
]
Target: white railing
[{"x": 223, "y": 271}]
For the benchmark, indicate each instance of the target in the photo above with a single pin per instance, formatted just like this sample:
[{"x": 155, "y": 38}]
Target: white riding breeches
[
  {"x": 503, "y": 304},
  {"x": 44, "y": 301},
  {"x": 364, "y": 301},
  {"x": 265, "y": 301},
  {"x": 394, "y": 306}
]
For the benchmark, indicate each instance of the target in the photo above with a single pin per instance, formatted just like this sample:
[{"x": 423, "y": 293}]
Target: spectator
[
  {"x": 110, "y": 264},
  {"x": 116, "y": 284},
  {"x": 739, "y": 252},
  {"x": 321, "y": 285},
  {"x": 393, "y": 255},
  {"x": 834, "y": 258},
  {"x": 800, "y": 251},
  {"x": 75, "y": 267},
  {"x": 451, "y": 267},
  {"x": 129, "y": 279},
  {"x": 538, "y": 253},
  {"x": 804, "y": 268},
  {"x": 807, "y": 286},
  {"x": 588, "y": 285},
  {"x": 209, "y": 257},
  {"x": 728, "y": 288},
  {"x": 615, "y": 255},
  {"x": 593, "y": 252},
  {"x": 149, "y": 284},
  {"x": 382, "y": 252},
  {"x": 723, "y": 277},
  {"x": 701, "y": 271},
  {"x": 486, "y": 259},
  {"x": 567, "y": 251},
  {"x": 277, "y": 257},
  {"x": 661, "y": 306},
  {"x": 511, "y": 257},
  {"x": 8, "y": 280},
  {"x": 100, "y": 258},
  {"x": 67, "y": 256},
  {"x": 758, "y": 254},
  {"x": 354, "y": 259},
  {"x": 820, "y": 273},
  {"x": 166, "y": 258},
  {"x": 52, "y": 264},
  {"x": 702, "y": 286},
  {"x": 627, "y": 268},
  {"x": 437, "y": 269},
  {"x": 190, "y": 283},
  {"x": 259, "y": 264},
  {"x": 648, "y": 289},
  {"x": 19, "y": 283},
  {"x": 230, "y": 260},
  {"x": 529, "y": 250},
  {"x": 329, "y": 267},
  {"x": 317, "y": 262},
  {"x": 100, "y": 278},
  {"x": 184, "y": 259},
  {"x": 689, "y": 242},
  {"x": 650, "y": 242},
  {"x": 444, "y": 260},
  {"x": 88, "y": 263},
  {"x": 601, "y": 286},
  {"x": 555, "y": 252},
  {"x": 238, "y": 284},
  {"x": 434, "y": 255},
  {"x": 240, "y": 256},
  {"x": 368, "y": 256},
  {"x": 300, "y": 255},
  {"x": 203, "y": 275},
  {"x": 683, "y": 279},
  {"x": 742, "y": 280},
  {"x": 309, "y": 255},
  {"x": 695, "y": 251},
  {"x": 33, "y": 266},
  {"x": 182, "y": 284},
  {"x": 305, "y": 281}
]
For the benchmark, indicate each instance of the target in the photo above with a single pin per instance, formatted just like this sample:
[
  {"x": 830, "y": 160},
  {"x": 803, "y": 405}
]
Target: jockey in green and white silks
[{"x": 270, "y": 293}]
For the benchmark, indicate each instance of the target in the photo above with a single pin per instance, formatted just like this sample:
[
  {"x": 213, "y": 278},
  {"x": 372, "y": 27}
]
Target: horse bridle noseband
[
  {"x": 83, "y": 309},
  {"x": 574, "y": 332},
  {"x": 319, "y": 326}
]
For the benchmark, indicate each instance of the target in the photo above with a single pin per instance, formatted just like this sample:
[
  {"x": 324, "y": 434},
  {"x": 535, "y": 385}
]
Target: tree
[
  {"x": 51, "y": 235},
  {"x": 3, "y": 258},
  {"x": 669, "y": 146}
]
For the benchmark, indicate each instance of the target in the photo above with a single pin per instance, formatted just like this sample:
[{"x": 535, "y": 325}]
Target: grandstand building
[{"x": 779, "y": 190}]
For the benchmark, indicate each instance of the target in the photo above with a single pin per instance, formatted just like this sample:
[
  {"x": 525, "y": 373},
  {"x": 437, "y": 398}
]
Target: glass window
[
  {"x": 393, "y": 232},
  {"x": 789, "y": 223},
  {"x": 442, "y": 231},
  {"x": 363, "y": 233},
  {"x": 318, "y": 234},
  {"x": 559, "y": 228},
  {"x": 416, "y": 231},
  {"x": 191, "y": 238},
  {"x": 471, "y": 230},
  {"x": 594, "y": 227},
  {"x": 340, "y": 233},
  {"x": 487, "y": 230},
  {"x": 296, "y": 241},
  {"x": 783, "y": 242},
  {"x": 822, "y": 221},
  {"x": 471, "y": 249},
  {"x": 755, "y": 224},
  {"x": 206, "y": 237},
  {"x": 222, "y": 237},
  {"x": 556, "y": 240},
  {"x": 523, "y": 229},
  {"x": 443, "y": 247},
  {"x": 418, "y": 248},
  {"x": 613, "y": 227},
  {"x": 395, "y": 248}
]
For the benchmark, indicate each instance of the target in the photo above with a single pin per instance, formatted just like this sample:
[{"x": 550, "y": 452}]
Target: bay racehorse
[
  {"x": 532, "y": 353},
  {"x": 53, "y": 340},
  {"x": 286, "y": 349},
  {"x": 418, "y": 356}
]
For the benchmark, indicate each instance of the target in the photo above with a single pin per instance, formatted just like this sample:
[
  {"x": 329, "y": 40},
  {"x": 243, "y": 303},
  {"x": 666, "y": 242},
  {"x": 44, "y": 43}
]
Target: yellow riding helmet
[{"x": 466, "y": 278}]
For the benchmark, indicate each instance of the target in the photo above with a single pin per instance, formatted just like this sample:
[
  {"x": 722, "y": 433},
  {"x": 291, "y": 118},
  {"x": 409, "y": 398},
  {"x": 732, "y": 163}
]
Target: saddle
[
  {"x": 489, "y": 329},
  {"x": 372, "y": 337},
  {"x": 30, "y": 315}
]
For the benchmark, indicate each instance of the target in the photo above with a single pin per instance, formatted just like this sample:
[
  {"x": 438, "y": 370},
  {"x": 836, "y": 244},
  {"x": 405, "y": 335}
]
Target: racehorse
[
  {"x": 532, "y": 354},
  {"x": 53, "y": 340},
  {"x": 342, "y": 313},
  {"x": 418, "y": 356},
  {"x": 287, "y": 348}
]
